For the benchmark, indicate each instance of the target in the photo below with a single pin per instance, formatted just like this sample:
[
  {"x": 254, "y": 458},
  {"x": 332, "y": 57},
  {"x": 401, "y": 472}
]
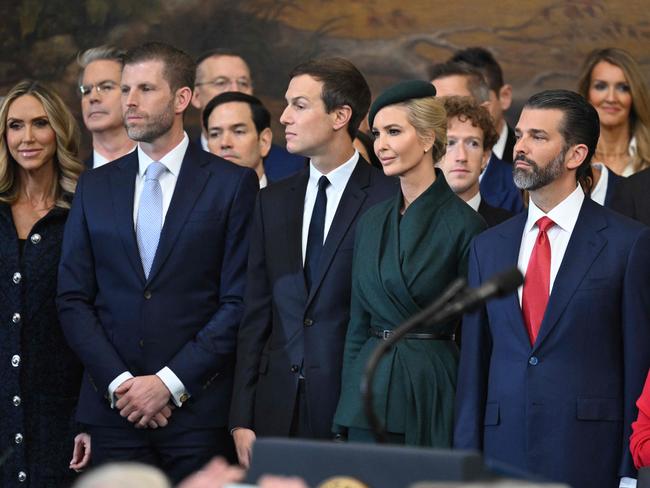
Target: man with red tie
[{"x": 549, "y": 376}]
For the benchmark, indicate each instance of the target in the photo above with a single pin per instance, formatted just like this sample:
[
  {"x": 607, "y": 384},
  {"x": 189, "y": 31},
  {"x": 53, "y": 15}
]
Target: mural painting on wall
[{"x": 540, "y": 44}]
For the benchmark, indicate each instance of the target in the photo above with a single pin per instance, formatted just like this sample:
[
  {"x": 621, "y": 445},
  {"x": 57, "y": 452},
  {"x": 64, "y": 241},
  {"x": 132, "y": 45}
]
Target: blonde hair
[
  {"x": 429, "y": 118},
  {"x": 640, "y": 112},
  {"x": 67, "y": 165}
]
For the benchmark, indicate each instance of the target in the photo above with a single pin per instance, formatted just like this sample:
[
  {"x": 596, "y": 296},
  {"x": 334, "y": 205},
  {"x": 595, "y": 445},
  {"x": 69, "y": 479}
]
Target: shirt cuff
[
  {"x": 627, "y": 482},
  {"x": 174, "y": 385},
  {"x": 115, "y": 384}
]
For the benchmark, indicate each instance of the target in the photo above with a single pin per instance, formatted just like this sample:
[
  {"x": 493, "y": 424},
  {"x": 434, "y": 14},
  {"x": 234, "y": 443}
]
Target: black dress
[{"x": 40, "y": 374}]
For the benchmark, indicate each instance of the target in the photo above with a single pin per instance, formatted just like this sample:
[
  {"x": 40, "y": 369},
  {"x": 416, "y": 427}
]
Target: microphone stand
[{"x": 434, "y": 313}]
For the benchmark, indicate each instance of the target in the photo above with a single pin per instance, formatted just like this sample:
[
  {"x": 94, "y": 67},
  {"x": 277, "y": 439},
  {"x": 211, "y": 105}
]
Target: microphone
[{"x": 499, "y": 285}]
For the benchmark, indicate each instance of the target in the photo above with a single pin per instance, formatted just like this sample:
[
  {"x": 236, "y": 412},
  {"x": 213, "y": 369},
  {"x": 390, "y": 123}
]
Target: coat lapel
[
  {"x": 584, "y": 247},
  {"x": 189, "y": 185},
  {"x": 123, "y": 189},
  {"x": 293, "y": 226},
  {"x": 507, "y": 257},
  {"x": 348, "y": 208}
]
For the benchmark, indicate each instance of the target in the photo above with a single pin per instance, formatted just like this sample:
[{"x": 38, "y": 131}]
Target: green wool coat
[{"x": 401, "y": 264}]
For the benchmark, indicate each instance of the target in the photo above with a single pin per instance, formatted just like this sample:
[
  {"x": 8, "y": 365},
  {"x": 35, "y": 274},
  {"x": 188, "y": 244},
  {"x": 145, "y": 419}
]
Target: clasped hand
[{"x": 144, "y": 401}]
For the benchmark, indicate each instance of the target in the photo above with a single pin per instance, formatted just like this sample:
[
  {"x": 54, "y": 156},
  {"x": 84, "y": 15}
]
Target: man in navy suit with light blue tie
[
  {"x": 549, "y": 376},
  {"x": 152, "y": 277}
]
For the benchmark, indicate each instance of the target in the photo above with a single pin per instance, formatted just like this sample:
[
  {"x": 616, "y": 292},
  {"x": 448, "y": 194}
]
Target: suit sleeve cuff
[
  {"x": 174, "y": 385},
  {"x": 115, "y": 384}
]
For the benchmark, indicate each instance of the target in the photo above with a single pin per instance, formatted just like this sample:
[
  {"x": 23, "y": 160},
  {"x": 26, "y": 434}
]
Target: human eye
[
  {"x": 125, "y": 89},
  {"x": 243, "y": 83},
  {"x": 451, "y": 142},
  {"x": 474, "y": 144},
  {"x": 623, "y": 87},
  {"x": 14, "y": 125},
  {"x": 374, "y": 133},
  {"x": 240, "y": 132},
  {"x": 394, "y": 132},
  {"x": 600, "y": 85},
  {"x": 40, "y": 123},
  {"x": 85, "y": 90},
  {"x": 220, "y": 83},
  {"x": 147, "y": 88},
  {"x": 106, "y": 87},
  {"x": 214, "y": 133}
]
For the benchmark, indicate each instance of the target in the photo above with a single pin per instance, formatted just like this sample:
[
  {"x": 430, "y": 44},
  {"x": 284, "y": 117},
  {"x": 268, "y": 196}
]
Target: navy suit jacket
[
  {"x": 498, "y": 187},
  {"x": 614, "y": 182},
  {"x": 280, "y": 163},
  {"x": 185, "y": 315},
  {"x": 285, "y": 328},
  {"x": 563, "y": 407}
]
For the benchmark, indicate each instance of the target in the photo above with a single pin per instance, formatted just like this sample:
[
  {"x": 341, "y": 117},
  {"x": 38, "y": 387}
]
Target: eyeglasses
[
  {"x": 222, "y": 83},
  {"x": 102, "y": 88}
]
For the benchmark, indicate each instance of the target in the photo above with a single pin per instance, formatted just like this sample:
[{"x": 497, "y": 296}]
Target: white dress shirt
[
  {"x": 338, "y": 179},
  {"x": 599, "y": 192},
  {"x": 475, "y": 201},
  {"x": 565, "y": 216},
  {"x": 500, "y": 146},
  {"x": 172, "y": 161}
]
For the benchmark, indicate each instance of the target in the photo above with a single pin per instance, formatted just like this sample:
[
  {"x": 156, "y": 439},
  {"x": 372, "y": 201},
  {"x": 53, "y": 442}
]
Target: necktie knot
[
  {"x": 544, "y": 223},
  {"x": 154, "y": 171},
  {"x": 323, "y": 183}
]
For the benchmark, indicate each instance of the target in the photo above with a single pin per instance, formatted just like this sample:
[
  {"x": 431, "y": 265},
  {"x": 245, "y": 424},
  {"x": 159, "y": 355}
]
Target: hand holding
[
  {"x": 142, "y": 398},
  {"x": 244, "y": 439},
  {"x": 81, "y": 452}
]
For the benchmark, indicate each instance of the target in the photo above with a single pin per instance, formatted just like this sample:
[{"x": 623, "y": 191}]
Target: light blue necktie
[{"x": 149, "y": 223}]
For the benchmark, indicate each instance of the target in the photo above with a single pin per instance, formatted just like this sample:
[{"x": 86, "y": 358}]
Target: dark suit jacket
[
  {"x": 493, "y": 215},
  {"x": 498, "y": 188},
  {"x": 614, "y": 183},
  {"x": 632, "y": 196},
  {"x": 280, "y": 163},
  {"x": 563, "y": 407},
  {"x": 285, "y": 328},
  {"x": 185, "y": 315}
]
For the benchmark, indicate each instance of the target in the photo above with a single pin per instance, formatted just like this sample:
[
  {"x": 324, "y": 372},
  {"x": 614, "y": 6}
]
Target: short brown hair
[
  {"x": 179, "y": 68},
  {"x": 343, "y": 84},
  {"x": 466, "y": 108}
]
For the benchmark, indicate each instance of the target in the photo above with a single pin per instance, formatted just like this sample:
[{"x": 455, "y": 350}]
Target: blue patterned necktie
[
  {"x": 149, "y": 223},
  {"x": 316, "y": 234}
]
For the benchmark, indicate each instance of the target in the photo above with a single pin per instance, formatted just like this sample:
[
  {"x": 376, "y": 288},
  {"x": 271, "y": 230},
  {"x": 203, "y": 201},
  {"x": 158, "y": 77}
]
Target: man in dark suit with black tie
[
  {"x": 152, "y": 277},
  {"x": 470, "y": 136},
  {"x": 549, "y": 376},
  {"x": 290, "y": 342},
  {"x": 101, "y": 106}
]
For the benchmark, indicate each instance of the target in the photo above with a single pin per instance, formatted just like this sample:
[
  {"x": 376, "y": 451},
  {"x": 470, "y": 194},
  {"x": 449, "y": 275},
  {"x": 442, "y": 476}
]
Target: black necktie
[{"x": 316, "y": 232}]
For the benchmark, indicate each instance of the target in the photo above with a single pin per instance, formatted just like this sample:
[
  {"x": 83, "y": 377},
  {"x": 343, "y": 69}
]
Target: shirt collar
[
  {"x": 172, "y": 160},
  {"x": 338, "y": 177},
  {"x": 264, "y": 182},
  {"x": 564, "y": 214},
  {"x": 500, "y": 146},
  {"x": 475, "y": 201}
]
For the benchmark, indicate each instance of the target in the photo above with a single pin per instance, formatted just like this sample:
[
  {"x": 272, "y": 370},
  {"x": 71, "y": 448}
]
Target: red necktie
[{"x": 538, "y": 280}]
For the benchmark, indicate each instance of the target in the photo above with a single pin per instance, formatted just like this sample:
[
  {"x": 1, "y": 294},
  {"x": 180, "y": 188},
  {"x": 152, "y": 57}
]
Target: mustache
[{"x": 521, "y": 157}]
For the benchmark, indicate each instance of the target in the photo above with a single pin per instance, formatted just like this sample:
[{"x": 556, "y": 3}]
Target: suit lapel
[
  {"x": 189, "y": 185},
  {"x": 122, "y": 182},
  {"x": 584, "y": 246},
  {"x": 348, "y": 208},
  {"x": 507, "y": 257},
  {"x": 293, "y": 226}
]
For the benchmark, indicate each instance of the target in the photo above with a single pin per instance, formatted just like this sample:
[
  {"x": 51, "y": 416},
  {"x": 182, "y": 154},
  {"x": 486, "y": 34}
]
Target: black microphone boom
[{"x": 441, "y": 310}]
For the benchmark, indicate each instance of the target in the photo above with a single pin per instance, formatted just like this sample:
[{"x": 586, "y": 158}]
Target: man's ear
[
  {"x": 341, "y": 116},
  {"x": 265, "y": 141},
  {"x": 182, "y": 100},
  {"x": 505, "y": 97},
  {"x": 576, "y": 155}
]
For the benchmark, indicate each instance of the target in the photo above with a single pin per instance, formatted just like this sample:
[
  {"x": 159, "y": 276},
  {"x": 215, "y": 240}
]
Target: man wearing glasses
[
  {"x": 99, "y": 88},
  {"x": 220, "y": 71}
]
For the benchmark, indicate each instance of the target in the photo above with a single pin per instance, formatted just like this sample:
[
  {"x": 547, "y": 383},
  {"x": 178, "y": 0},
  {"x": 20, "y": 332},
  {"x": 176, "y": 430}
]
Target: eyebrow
[
  {"x": 38, "y": 117},
  {"x": 299, "y": 97},
  {"x": 231, "y": 126}
]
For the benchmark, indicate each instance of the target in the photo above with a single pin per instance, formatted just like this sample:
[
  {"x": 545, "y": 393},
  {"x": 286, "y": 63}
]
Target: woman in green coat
[{"x": 407, "y": 251}]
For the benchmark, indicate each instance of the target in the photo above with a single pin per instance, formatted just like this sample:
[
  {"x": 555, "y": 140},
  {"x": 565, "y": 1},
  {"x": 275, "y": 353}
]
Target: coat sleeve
[
  {"x": 255, "y": 327},
  {"x": 636, "y": 338},
  {"x": 77, "y": 288},
  {"x": 214, "y": 344},
  {"x": 473, "y": 369}
]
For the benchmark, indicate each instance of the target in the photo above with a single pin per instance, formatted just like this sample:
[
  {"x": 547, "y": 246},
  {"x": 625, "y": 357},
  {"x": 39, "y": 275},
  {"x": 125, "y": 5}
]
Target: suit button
[
  {"x": 141, "y": 343},
  {"x": 18, "y": 438},
  {"x": 533, "y": 361},
  {"x": 15, "y": 318},
  {"x": 36, "y": 238},
  {"x": 295, "y": 368},
  {"x": 308, "y": 322},
  {"x": 184, "y": 397},
  {"x": 16, "y": 400},
  {"x": 16, "y": 278},
  {"x": 15, "y": 360},
  {"x": 147, "y": 294},
  {"x": 22, "y": 476}
]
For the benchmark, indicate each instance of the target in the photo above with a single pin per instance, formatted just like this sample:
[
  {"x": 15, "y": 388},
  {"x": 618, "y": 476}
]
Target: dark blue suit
[
  {"x": 563, "y": 407},
  {"x": 498, "y": 187},
  {"x": 185, "y": 315},
  {"x": 280, "y": 163},
  {"x": 287, "y": 329}
]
